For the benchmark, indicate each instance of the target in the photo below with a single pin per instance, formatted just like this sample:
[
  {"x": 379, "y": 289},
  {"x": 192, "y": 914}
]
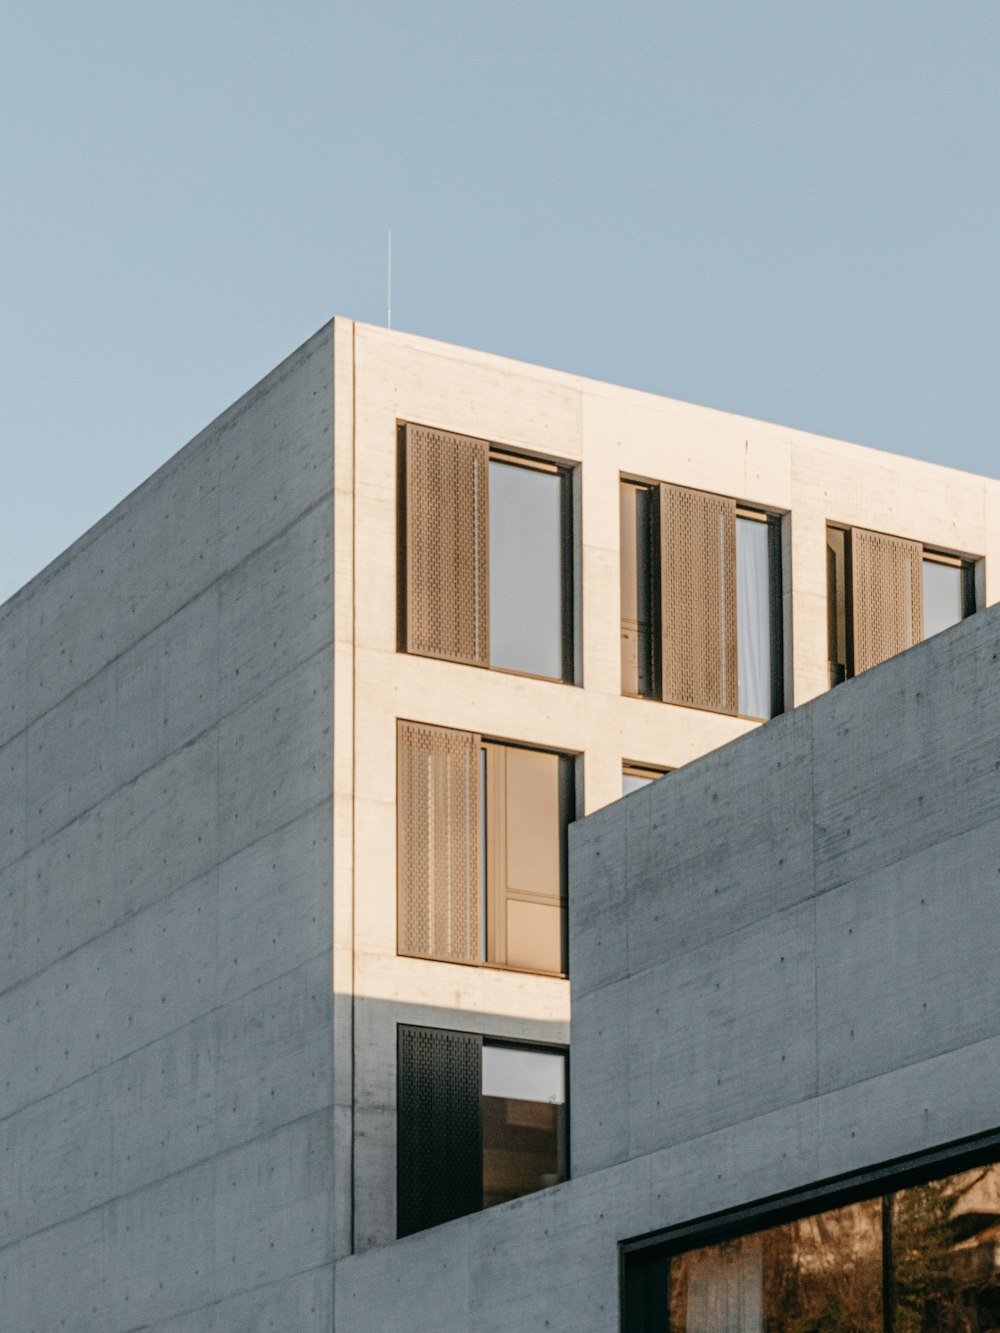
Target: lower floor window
[
  {"x": 921, "y": 1257},
  {"x": 479, "y": 1122}
]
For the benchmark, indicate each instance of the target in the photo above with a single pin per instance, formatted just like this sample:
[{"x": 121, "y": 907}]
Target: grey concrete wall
[
  {"x": 166, "y": 891},
  {"x": 783, "y": 968}
]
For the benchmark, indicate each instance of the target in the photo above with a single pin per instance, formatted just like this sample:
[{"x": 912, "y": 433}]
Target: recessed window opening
[
  {"x": 486, "y": 555},
  {"x": 885, "y": 594},
  {"x": 481, "y": 848},
  {"x": 480, "y": 1121},
  {"x": 637, "y": 776},
  {"x": 701, "y": 603}
]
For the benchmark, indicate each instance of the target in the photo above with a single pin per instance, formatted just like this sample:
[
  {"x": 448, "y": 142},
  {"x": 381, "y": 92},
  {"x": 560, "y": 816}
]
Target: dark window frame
[
  {"x": 480, "y": 1039},
  {"x": 652, "y": 537},
  {"x": 516, "y": 457},
  {"x": 967, "y": 563},
  {"x": 568, "y": 780},
  {"x": 643, "y": 1261}
]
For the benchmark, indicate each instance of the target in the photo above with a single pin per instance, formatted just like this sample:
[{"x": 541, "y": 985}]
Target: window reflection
[
  {"x": 925, "y": 1259},
  {"x": 753, "y": 617},
  {"x": 943, "y": 600},
  {"x": 818, "y": 1273},
  {"x": 526, "y": 570},
  {"x": 524, "y": 1122},
  {"x": 946, "y": 1255}
]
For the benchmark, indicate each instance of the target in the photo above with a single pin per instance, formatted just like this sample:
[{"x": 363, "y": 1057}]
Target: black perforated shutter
[{"x": 439, "y": 1129}]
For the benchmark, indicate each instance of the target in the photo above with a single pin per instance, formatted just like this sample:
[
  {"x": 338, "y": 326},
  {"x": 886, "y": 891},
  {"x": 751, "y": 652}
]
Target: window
[
  {"x": 485, "y": 554},
  {"x": 915, "y": 1249},
  {"x": 635, "y": 776},
  {"x": 479, "y": 1122},
  {"x": 701, "y": 601},
  {"x": 885, "y": 594},
  {"x": 481, "y": 848}
]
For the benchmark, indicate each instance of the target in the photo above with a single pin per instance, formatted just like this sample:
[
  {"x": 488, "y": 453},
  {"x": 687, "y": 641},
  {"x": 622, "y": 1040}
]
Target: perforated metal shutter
[
  {"x": 439, "y": 1132},
  {"x": 698, "y": 594},
  {"x": 447, "y": 611},
  {"x": 886, "y": 596},
  {"x": 437, "y": 819}
]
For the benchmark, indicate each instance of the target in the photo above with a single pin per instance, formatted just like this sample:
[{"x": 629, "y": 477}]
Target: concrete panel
[
  {"x": 599, "y": 1074},
  {"x": 143, "y": 842},
  {"x": 73, "y": 760},
  {"x": 723, "y": 1033},
  {"x": 166, "y": 687},
  {"x": 112, "y": 995},
  {"x": 56, "y": 1158},
  {"x": 906, "y": 960},
  {"x": 274, "y": 1053},
  {"x": 881, "y": 738},
  {"x": 275, "y": 756},
  {"x": 13, "y": 803},
  {"x": 420, "y": 1284},
  {"x": 906, "y": 1110},
  {"x": 275, "y": 903},
  {"x": 75, "y": 615},
  {"x": 13, "y": 667},
  {"x": 303, "y": 1303},
  {"x": 598, "y": 872},
  {"x": 58, "y": 1279},
  {"x": 276, "y": 449},
  {"x": 568, "y": 1283},
  {"x": 276, "y": 608},
  {"x": 14, "y": 915},
  {"x": 170, "y": 539},
  {"x": 162, "y": 1105},
  {"x": 272, "y": 1205},
  {"x": 727, "y": 846}
]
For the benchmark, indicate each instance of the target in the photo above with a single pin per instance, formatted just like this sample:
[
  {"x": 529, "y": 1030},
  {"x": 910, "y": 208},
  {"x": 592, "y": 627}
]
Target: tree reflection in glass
[
  {"x": 820, "y": 1274},
  {"x": 946, "y": 1255}
]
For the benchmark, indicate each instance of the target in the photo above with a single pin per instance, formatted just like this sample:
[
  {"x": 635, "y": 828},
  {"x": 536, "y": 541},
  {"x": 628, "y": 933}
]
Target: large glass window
[
  {"x": 479, "y": 1122},
  {"x": 701, "y": 605},
  {"x": 922, "y": 1257},
  {"x": 524, "y": 1121},
  {"x": 481, "y": 849},
  {"x": 486, "y": 562},
  {"x": 526, "y": 568}
]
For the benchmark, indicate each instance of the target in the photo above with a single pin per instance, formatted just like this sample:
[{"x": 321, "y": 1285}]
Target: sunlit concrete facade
[
  {"x": 198, "y": 708},
  {"x": 755, "y": 1014}
]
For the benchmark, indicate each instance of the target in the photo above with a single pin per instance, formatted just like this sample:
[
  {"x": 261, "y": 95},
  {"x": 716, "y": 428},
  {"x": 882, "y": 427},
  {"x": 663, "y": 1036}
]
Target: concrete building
[{"x": 322, "y": 644}]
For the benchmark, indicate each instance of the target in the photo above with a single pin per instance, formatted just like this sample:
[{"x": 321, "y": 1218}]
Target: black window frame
[
  {"x": 513, "y": 455},
  {"x": 569, "y": 795},
  {"x": 651, "y": 538},
  {"x": 480, "y": 1040},
  {"x": 644, "y": 1261},
  {"x": 842, "y": 601}
]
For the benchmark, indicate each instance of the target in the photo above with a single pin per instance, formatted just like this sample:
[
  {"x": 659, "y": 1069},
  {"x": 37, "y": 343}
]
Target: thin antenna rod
[{"x": 388, "y": 282}]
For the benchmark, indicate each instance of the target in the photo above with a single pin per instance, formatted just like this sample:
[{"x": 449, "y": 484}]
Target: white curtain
[
  {"x": 725, "y": 1292},
  {"x": 753, "y": 618}
]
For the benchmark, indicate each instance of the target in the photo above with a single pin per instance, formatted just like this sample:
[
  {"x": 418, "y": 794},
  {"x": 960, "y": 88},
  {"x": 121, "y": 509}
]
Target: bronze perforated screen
[
  {"x": 447, "y": 611},
  {"x": 698, "y": 593},
  {"x": 886, "y": 595},
  {"x": 438, "y": 870}
]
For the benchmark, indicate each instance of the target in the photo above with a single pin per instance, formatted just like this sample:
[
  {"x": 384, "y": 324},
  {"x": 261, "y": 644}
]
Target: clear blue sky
[{"x": 787, "y": 208}]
